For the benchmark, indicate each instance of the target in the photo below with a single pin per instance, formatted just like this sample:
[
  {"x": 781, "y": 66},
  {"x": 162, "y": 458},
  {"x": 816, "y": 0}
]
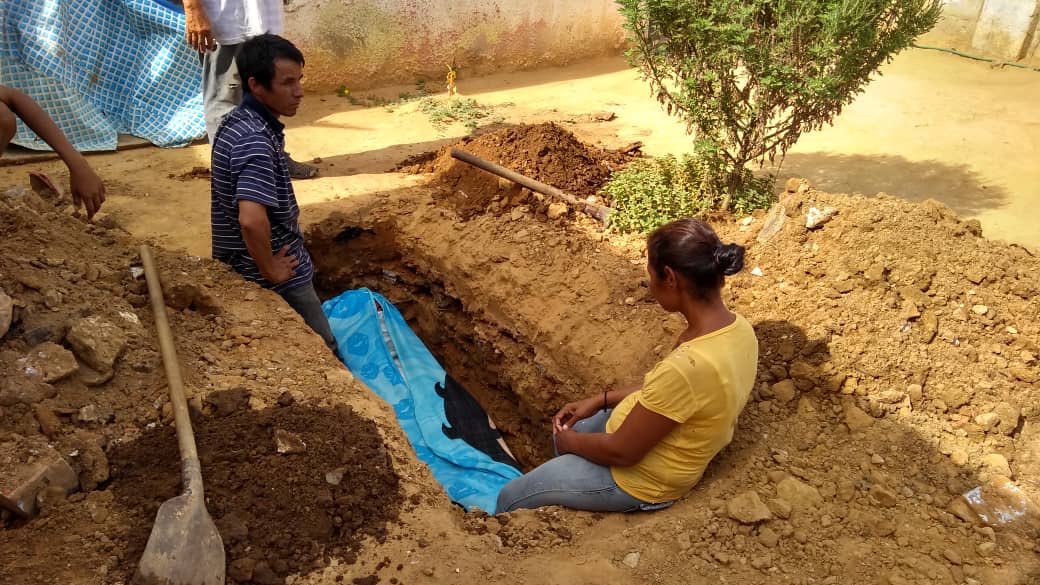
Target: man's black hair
[{"x": 257, "y": 56}]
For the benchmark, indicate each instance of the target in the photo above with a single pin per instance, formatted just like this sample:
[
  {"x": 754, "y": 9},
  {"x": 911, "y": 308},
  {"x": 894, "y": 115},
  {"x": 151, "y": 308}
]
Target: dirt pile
[
  {"x": 898, "y": 371},
  {"x": 296, "y": 476},
  {"x": 282, "y": 507},
  {"x": 544, "y": 152}
]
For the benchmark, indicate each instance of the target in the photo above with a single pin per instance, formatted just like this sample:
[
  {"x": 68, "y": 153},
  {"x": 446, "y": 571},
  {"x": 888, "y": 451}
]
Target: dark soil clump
[
  {"x": 277, "y": 513},
  {"x": 544, "y": 152}
]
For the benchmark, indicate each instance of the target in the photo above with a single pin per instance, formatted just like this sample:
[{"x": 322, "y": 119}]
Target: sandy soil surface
[
  {"x": 933, "y": 125},
  {"x": 898, "y": 370}
]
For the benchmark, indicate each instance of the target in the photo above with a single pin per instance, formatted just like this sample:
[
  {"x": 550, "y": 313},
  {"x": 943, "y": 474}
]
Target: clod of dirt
[
  {"x": 229, "y": 401},
  {"x": 6, "y": 312},
  {"x": 747, "y": 508},
  {"x": 49, "y": 362},
  {"x": 97, "y": 342},
  {"x": 544, "y": 152}
]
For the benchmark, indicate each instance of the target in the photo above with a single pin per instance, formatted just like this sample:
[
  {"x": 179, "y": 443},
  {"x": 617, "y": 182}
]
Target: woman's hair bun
[{"x": 729, "y": 258}]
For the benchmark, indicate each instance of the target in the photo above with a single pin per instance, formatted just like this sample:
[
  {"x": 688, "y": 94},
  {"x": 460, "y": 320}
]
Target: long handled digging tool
[
  {"x": 597, "y": 211},
  {"x": 184, "y": 547}
]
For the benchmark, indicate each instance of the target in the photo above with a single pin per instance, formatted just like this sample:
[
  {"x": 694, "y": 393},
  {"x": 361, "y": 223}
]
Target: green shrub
[
  {"x": 651, "y": 192},
  {"x": 752, "y": 75}
]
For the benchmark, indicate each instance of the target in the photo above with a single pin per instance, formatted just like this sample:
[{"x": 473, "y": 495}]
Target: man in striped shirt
[{"x": 254, "y": 215}]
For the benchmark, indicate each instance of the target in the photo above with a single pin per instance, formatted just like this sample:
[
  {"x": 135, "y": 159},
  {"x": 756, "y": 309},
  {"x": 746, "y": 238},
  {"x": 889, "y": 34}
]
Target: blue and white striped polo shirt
[{"x": 249, "y": 163}]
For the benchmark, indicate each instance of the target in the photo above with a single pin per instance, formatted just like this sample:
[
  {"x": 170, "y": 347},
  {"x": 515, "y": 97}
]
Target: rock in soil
[
  {"x": 800, "y": 495},
  {"x": 747, "y": 508},
  {"x": 49, "y": 362},
  {"x": 287, "y": 443},
  {"x": 6, "y": 312},
  {"x": 30, "y": 465},
  {"x": 97, "y": 342}
]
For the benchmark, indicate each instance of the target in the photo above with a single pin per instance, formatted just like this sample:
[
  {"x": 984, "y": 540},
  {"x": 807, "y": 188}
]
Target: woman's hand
[
  {"x": 564, "y": 440},
  {"x": 573, "y": 412}
]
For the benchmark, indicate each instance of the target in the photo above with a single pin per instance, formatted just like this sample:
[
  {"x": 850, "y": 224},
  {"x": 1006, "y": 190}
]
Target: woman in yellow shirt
[{"x": 643, "y": 447}]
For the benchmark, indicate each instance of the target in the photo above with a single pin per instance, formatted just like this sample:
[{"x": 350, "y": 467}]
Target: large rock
[
  {"x": 23, "y": 389},
  {"x": 857, "y": 420},
  {"x": 30, "y": 466},
  {"x": 48, "y": 362},
  {"x": 748, "y": 508},
  {"x": 97, "y": 342},
  {"x": 800, "y": 495},
  {"x": 6, "y": 312}
]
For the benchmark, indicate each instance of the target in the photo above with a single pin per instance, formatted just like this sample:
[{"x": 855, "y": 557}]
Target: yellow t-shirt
[{"x": 702, "y": 385}]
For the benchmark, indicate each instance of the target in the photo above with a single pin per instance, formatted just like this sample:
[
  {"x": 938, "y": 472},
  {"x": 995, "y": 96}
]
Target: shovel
[{"x": 184, "y": 547}]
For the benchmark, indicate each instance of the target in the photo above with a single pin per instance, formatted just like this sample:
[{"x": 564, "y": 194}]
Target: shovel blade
[{"x": 184, "y": 547}]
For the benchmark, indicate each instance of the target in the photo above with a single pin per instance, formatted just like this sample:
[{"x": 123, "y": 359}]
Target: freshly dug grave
[
  {"x": 544, "y": 152},
  {"x": 898, "y": 370},
  {"x": 351, "y": 257}
]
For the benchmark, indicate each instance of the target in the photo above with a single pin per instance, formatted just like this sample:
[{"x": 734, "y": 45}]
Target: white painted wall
[
  {"x": 1001, "y": 29},
  {"x": 362, "y": 43}
]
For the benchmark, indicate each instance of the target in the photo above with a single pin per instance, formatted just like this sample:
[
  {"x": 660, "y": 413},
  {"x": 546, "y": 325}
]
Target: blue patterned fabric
[
  {"x": 384, "y": 353},
  {"x": 103, "y": 68}
]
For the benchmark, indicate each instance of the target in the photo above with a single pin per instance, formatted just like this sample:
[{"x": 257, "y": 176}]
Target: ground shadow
[
  {"x": 270, "y": 494},
  {"x": 958, "y": 186},
  {"x": 380, "y": 160}
]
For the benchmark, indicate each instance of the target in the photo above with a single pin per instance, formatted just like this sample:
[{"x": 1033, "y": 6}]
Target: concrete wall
[
  {"x": 1001, "y": 29},
  {"x": 367, "y": 43}
]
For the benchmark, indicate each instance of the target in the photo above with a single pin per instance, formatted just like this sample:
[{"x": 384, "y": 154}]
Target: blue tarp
[
  {"x": 101, "y": 68},
  {"x": 445, "y": 426}
]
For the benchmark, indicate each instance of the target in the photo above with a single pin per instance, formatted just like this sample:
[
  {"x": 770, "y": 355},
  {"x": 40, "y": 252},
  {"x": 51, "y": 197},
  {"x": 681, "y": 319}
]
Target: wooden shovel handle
[
  {"x": 597, "y": 211},
  {"x": 190, "y": 467}
]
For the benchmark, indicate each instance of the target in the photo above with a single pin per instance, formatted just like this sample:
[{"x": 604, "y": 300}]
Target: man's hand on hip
[{"x": 283, "y": 267}]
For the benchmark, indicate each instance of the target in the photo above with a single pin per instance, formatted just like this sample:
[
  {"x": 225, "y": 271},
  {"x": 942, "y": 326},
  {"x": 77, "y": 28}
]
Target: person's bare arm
[
  {"x": 198, "y": 30},
  {"x": 86, "y": 186},
  {"x": 640, "y": 431},
  {"x": 256, "y": 231},
  {"x": 572, "y": 412}
]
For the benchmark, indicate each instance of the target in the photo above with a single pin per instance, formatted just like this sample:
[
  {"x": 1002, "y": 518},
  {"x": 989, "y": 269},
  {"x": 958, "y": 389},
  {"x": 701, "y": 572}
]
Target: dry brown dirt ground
[{"x": 898, "y": 370}]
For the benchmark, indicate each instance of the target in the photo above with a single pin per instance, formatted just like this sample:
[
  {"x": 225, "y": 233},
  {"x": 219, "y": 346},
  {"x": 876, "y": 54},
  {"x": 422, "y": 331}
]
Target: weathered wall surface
[
  {"x": 1001, "y": 29},
  {"x": 367, "y": 43}
]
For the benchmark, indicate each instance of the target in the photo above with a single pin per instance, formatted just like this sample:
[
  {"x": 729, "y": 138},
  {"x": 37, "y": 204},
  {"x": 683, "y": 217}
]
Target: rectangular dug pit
[{"x": 490, "y": 361}]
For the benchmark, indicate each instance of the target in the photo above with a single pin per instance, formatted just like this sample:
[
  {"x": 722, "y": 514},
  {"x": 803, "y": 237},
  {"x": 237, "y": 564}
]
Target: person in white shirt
[{"x": 216, "y": 29}]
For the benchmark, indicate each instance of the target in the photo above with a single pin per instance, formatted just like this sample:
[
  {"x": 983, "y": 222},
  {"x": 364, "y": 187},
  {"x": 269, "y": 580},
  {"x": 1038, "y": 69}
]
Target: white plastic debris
[{"x": 756, "y": 271}]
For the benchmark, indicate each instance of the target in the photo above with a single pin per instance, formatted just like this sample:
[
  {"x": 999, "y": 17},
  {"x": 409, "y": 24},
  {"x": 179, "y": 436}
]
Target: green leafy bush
[
  {"x": 752, "y": 75},
  {"x": 652, "y": 192}
]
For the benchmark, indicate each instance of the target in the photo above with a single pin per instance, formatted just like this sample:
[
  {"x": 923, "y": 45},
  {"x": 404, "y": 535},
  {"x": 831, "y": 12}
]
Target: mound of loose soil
[
  {"x": 898, "y": 370},
  {"x": 253, "y": 370},
  {"x": 544, "y": 152},
  {"x": 278, "y": 513}
]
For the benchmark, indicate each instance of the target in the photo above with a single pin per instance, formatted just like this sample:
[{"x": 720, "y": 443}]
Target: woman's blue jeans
[{"x": 573, "y": 482}]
